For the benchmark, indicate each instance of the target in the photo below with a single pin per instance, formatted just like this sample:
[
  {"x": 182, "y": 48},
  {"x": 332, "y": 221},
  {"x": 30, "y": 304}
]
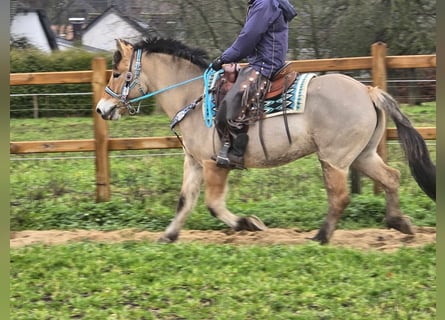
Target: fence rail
[
  {"x": 378, "y": 63},
  {"x": 142, "y": 143}
]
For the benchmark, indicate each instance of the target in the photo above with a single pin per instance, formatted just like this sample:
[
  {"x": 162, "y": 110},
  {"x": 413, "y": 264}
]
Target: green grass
[
  {"x": 140, "y": 280},
  {"x": 423, "y": 115}
]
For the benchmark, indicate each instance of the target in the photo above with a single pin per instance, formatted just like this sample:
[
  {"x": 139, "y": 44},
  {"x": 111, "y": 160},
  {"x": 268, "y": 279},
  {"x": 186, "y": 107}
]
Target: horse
[{"x": 343, "y": 123}]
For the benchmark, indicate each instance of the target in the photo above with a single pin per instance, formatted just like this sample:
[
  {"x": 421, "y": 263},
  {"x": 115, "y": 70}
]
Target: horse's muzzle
[{"x": 111, "y": 114}]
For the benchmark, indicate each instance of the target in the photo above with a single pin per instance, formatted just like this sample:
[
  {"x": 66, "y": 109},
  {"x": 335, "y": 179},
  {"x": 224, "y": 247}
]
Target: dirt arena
[{"x": 364, "y": 239}]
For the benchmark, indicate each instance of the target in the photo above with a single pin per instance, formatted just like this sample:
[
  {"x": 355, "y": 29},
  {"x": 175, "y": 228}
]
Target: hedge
[{"x": 33, "y": 60}]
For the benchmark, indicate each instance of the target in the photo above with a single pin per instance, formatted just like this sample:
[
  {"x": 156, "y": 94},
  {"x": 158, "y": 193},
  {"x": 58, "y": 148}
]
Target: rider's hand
[{"x": 217, "y": 64}]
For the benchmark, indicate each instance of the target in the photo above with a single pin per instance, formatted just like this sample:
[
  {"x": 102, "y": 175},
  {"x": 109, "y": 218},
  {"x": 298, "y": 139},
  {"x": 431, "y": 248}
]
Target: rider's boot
[
  {"x": 233, "y": 158},
  {"x": 222, "y": 160},
  {"x": 236, "y": 154}
]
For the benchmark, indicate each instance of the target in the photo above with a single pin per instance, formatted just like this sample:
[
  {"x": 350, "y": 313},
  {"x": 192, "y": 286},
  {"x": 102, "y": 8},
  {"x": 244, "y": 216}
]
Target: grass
[
  {"x": 423, "y": 115},
  {"x": 141, "y": 280},
  {"x": 60, "y": 194},
  {"x": 138, "y": 280}
]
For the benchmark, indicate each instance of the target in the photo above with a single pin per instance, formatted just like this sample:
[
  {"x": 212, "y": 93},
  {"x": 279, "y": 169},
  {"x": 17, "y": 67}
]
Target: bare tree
[{"x": 322, "y": 29}]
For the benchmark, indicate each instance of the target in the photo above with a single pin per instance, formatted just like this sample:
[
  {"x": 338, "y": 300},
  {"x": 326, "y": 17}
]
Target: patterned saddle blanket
[
  {"x": 294, "y": 97},
  {"x": 293, "y": 100}
]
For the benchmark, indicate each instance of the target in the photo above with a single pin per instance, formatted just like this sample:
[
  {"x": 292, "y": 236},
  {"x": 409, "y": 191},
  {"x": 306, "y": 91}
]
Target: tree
[
  {"x": 409, "y": 27},
  {"x": 210, "y": 25},
  {"x": 356, "y": 29},
  {"x": 322, "y": 29},
  {"x": 341, "y": 28}
]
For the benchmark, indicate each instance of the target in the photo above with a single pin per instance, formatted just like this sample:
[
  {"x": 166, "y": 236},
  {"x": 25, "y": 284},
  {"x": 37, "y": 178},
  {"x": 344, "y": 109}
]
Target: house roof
[
  {"x": 44, "y": 22},
  {"x": 139, "y": 25}
]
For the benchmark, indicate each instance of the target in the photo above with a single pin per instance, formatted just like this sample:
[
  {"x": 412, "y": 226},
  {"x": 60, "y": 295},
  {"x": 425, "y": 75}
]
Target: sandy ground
[{"x": 364, "y": 239}]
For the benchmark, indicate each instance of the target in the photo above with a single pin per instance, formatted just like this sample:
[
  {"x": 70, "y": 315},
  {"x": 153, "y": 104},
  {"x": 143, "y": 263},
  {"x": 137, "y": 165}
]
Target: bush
[{"x": 33, "y": 60}]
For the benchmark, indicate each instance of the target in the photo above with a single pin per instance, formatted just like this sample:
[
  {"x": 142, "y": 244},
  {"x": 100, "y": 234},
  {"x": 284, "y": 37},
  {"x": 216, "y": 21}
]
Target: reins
[{"x": 148, "y": 95}]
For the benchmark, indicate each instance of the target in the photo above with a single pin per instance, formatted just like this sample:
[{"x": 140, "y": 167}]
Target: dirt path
[{"x": 365, "y": 239}]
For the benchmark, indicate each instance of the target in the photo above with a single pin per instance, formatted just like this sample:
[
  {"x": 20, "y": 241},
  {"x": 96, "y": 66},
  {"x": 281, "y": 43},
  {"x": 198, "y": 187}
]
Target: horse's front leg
[
  {"x": 216, "y": 187},
  {"x": 191, "y": 185}
]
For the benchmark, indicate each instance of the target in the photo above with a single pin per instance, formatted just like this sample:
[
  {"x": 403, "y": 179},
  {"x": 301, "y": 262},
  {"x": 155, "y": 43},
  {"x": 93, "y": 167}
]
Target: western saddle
[{"x": 279, "y": 83}]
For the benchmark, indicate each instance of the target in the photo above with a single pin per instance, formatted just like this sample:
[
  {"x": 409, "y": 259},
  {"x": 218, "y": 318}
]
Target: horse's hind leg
[
  {"x": 191, "y": 185},
  {"x": 336, "y": 183},
  {"x": 215, "y": 179},
  {"x": 372, "y": 165}
]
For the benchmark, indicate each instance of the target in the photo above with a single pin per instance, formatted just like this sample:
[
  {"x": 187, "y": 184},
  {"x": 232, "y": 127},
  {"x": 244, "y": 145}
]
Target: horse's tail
[{"x": 422, "y": 168}]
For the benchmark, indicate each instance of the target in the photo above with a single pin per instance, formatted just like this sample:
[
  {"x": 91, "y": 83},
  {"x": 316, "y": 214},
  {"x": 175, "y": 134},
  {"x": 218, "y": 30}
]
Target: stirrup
[
  {"x": 236, "y": 162},
  {"x": 222, "y": 160}
]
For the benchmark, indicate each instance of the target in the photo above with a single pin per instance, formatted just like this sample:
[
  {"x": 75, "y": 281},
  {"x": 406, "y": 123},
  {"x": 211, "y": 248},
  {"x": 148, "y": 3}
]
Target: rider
[{"x": 263, "y": 40}]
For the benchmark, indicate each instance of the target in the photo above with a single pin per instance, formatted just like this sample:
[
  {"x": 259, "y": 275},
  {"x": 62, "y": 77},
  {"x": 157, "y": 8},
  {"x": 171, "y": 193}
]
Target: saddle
[
  {"x": 227, "y": 80},
  {"x": 279, "y": 83}
]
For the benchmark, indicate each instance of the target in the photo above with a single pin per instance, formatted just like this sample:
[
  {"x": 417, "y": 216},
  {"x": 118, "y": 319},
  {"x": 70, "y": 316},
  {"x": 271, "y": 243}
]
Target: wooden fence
[{"x": 378, "y": 63}]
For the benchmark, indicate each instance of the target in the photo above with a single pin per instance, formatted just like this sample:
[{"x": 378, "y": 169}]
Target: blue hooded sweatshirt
[{"x": 263, "y": 40}]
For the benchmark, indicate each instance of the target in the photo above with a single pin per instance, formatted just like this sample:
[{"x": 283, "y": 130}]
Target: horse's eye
[{"x": 116, "y": 75}]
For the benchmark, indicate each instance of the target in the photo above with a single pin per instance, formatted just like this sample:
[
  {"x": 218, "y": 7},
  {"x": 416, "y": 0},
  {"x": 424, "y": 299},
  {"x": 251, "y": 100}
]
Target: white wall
[
  {"x": 104, "y": 32},
  {"x": 28, "y": 25}
]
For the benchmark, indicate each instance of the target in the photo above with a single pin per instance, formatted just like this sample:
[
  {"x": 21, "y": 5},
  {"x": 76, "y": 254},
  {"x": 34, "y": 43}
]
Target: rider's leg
[
  {"x": 231, "y": 118},
  {"x": 239, "y": 146}
]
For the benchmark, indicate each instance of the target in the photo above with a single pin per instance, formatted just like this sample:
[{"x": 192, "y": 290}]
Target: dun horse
[{"x": 342, "y": 123}]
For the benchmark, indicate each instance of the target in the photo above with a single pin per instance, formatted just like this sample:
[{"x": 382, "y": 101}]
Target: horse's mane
[{"x": 174, "y": 47}]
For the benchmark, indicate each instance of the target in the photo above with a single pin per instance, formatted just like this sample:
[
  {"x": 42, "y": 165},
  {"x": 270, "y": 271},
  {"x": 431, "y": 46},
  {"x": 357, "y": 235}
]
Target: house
[
  {"x": 101, "y": 32},
  {"x": 34, "y": 25}
]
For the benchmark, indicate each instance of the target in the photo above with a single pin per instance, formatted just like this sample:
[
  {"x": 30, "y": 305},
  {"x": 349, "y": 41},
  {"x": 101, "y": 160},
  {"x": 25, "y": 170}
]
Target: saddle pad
[{"x": 294, "y": 98}]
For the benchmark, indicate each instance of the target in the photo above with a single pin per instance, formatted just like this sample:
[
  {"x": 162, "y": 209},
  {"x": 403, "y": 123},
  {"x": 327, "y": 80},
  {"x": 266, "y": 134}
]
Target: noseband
[{"x": 129, "y": 84}]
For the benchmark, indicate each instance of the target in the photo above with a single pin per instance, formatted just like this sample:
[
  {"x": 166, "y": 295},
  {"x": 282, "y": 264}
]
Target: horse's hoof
[
  {"x": 318, "y": 240},
  {"x": 251, "y": 223},
  {"x": 320, "y": 237},
  {"x": 164, "y": 239},
  {"x": 400, "y": 223}
]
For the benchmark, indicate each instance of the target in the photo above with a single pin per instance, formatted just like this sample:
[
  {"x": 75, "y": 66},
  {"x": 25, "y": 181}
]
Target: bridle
[{"x": 132, "y": 80}]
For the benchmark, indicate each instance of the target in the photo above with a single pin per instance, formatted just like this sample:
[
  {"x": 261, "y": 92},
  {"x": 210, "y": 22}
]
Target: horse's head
[{"x": 124, "y": 83}]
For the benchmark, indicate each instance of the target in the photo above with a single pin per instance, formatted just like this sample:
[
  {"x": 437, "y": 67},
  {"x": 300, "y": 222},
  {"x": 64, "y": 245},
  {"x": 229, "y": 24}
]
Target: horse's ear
[{"x": 122, "y": 44}]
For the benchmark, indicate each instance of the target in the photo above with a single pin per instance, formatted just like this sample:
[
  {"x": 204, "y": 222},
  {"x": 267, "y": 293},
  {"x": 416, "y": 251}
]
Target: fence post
[
  {"x": 99, "y": 67},
  {"x": 356, "y": 187},
  {"x": 379, "y": 79},
  {"x": 35, "y": 105}
]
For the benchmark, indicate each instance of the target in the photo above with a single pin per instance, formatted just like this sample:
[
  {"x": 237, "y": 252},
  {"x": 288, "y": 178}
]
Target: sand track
[{"x": 364, "y": 239}]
